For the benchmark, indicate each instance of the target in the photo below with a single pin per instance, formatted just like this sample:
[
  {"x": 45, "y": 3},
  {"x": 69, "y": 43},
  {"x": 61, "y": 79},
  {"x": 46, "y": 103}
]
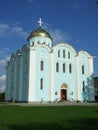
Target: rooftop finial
[{"x": 40, "y": 22}]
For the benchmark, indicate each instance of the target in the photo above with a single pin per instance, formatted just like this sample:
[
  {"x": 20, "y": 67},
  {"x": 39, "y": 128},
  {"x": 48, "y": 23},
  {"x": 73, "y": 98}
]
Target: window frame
[
  {"x": 64, "y": 69},
  {"x": 64, "y": 54},
  {"x": 41, "y": 84},
  {"x": 58, "y": 53},
  {"x": 83, "y": 86},
  {"x": 41, "y": 65},
  {"x": 83, "y": 69},
  {"x": 57, "y": 67},
  {"x": 70, "y": 68},
  {"x": 68, "y": 55}
]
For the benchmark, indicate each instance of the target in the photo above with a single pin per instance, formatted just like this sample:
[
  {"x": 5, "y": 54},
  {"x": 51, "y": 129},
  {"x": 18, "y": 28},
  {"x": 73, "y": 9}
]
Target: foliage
[
  {"x": 2, "y": 95},
  {"x": 48, "y": 118}
]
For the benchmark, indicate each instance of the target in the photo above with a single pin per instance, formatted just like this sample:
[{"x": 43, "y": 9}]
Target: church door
[{"x": 63, "y": 94}]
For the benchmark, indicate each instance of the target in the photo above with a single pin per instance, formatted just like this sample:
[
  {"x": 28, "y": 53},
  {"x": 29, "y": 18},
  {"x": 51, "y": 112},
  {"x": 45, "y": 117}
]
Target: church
[{"x": 40, "y": 72}]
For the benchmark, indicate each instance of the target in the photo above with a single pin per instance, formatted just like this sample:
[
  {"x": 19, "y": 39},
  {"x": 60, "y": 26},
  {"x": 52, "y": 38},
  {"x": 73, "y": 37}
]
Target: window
[
  {"x": 58, "y": 53},
  {"x": 82, "y": 69},
  {"x": 64, "y": 68},
  {"x": 32, "y": 43},
  {"x": 83, "y": 84},
  {"x": 41, "y": 65},
  {"x": 63, "y": 53},
  {"x": 57, "y": 67},
  {"x": 41, "y": 83},
  {"x": 70, "y": 68},
  {"x": 68, "y": 55}
]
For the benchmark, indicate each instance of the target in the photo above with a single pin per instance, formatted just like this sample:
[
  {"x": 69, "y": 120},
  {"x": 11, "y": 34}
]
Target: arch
[
  {"x": 43, "y": 45},
  {"x": 85, "y": 53},
  {"x": 64, "y": 86},
  {"x": 64, "y": 45}
]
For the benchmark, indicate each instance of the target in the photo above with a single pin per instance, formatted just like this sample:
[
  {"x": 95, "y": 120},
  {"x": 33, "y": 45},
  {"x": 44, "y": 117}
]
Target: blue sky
[{"x": 72, "y": 21}]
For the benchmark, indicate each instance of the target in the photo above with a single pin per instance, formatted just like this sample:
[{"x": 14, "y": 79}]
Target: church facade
[{"x": 40, "y": 72}]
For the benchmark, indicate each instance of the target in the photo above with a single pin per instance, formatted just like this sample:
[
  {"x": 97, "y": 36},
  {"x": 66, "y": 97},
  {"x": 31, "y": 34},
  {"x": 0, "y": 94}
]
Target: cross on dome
[{"x": 40, "y": 22}]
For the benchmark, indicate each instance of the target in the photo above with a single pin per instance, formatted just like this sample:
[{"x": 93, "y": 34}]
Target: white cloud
[
  {"x": 3, "y": 62},
  {"x": 57, "y": 34},
  {"x": 80, "y": 5},
  {"x": 84, "y": 4},
  {"x": 2, "y": 83},
  {"x": 17, "y": 30},
  {"x": 4, "y": 52},
  {"x": 1, "y": 52},
  {"x": 3, "y": 78},
  {"x": 4, "y": 29},
  {"x": 2, "y": 89}
]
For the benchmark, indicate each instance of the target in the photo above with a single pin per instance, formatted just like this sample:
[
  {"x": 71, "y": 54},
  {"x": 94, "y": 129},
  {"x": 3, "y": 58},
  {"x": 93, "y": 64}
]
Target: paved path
[{"x": 54, "y": 104}]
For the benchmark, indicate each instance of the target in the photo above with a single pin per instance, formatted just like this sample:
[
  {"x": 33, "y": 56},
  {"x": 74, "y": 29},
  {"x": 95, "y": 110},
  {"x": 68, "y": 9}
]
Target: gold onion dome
[{"x": 39, "y": 33}]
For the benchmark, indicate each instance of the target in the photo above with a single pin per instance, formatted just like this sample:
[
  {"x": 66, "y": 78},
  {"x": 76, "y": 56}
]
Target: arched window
[
  {"x": 83, "y": 84},
  {"x": 82, "y": 69},
  {"x": 58, "y": 53},
  {"x": 63, "y": 67},
  {"x": 63, "y": 53},
  {"x": 41, "y": 65},
  {"x": 70, "y": 68},
  {"x": 41, "y": 83},
  {"x": 68, "y": 55},
  {"x": 57, "y": 67}
]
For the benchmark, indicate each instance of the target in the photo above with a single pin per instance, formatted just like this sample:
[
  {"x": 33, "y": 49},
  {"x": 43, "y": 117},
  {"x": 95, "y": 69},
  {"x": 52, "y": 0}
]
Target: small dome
[{"x": 39, "y": 33}]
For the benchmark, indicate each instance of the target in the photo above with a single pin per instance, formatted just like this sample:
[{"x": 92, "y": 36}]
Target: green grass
[{"x": 48, "y": 118}]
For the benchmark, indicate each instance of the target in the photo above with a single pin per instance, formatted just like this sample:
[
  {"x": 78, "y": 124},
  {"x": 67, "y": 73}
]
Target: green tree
[{"x": 2, "y": 95}]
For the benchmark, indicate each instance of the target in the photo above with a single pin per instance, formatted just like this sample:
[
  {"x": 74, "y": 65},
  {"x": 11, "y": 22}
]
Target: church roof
[{"x": 39, "y": 33}]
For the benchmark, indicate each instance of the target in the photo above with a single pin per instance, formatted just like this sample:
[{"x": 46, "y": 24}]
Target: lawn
[{"x": 48, "y": 118}]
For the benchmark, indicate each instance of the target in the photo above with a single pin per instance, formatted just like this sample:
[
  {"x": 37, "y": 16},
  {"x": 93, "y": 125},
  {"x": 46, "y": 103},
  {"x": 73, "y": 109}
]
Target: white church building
[{"x": 42, "y": 72}]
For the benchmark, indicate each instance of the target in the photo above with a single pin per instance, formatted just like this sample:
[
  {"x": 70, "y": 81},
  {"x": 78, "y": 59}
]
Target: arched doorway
[{"x": 63, "y": 92}]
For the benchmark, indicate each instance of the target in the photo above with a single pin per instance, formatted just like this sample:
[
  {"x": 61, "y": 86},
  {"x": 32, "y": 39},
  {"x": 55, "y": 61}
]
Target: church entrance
[{"x": 63, "y": 92}]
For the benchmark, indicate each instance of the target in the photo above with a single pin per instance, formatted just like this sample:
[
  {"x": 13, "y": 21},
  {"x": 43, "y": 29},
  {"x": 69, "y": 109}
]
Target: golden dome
[{"x": 39, "y": 33}]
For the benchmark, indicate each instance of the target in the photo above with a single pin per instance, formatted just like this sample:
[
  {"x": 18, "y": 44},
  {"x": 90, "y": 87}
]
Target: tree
[{"x": 2, "y": 95}]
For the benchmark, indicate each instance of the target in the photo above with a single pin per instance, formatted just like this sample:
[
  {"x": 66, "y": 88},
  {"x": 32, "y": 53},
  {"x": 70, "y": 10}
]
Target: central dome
[{"x": 39, "y": 33}]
